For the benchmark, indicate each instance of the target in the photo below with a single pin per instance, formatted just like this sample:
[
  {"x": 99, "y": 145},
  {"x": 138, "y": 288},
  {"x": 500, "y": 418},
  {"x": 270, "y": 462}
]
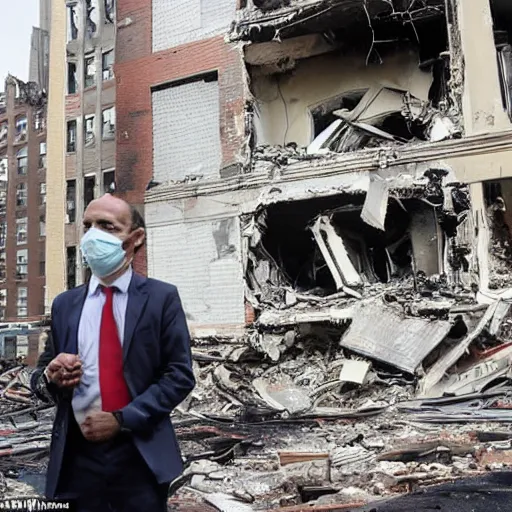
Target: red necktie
[{"x": 114, "y": 391}]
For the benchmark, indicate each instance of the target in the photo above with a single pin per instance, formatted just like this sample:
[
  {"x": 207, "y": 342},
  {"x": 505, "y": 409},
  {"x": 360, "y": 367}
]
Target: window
[
  {"x": 109, "y": 123},
  {"x": 22, "y": 304},
  {"x": 3, "y": 132},
  {"x": 181, "y": 145},
  {"x": 22, "y": 264},
  {"x": 42, "y": 194},
  {"x": 21, "y": 129},
  {"x": 72, "y": 81},
  {"x": 4, "y": 168},
  {"x": 71, "y": 201},
  {"x": 21, "y": 194},
  {"x": 42, "y": 155},
  {"x": 109, "y": 184},
  {"x": 42, "y": 225},
  {"x": 71, "y": 267},
  {"x": 90, "y": 72},
  {"x": 89, "y": 129},
  {"x": 39, "y": 121},
  {"x": 89, "y": 184},
  {"x": 21, "y": 230},
  {"x": 3, "y": 234},
  {"x": 42, "y": 266},
  {"x": 22, "y": 161},
  {"x": 93, "y": 17},
  {"x": 72, "y": 23},
  {"x": 108, "y": 65},
  {"x": 71, "y": 137},
  {"x": 109, "y": 11}
]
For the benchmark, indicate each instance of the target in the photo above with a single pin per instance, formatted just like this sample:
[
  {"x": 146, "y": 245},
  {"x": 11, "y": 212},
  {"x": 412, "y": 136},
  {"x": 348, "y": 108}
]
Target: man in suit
[{"x": 117, "y": 361}]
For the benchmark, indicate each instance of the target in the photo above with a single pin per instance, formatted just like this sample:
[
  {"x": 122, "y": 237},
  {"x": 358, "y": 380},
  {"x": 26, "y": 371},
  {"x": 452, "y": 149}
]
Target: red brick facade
[{"x": 137, "y": 70}]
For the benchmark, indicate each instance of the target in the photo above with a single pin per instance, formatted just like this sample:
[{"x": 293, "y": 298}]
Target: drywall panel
[
  {"x": 178, "y": 22},
  {"x": 203, "y": 260},
  {"x": 186, "y": 131}
]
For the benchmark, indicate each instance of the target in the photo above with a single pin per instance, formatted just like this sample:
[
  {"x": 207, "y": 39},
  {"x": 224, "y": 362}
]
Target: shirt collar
[{"x": 122, "y": 283}]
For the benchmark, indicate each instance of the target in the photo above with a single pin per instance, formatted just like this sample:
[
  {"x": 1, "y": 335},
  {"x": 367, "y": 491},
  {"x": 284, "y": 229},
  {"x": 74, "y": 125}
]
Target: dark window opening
[
  {"x": 92, "y": 13},
  {"x": 71, "y": 201},
  {"x": 72, "y": 22},
  {"x": 89, "y": 185},
  {"x": 71, "y": 267},
  {"x": 71, "y": 137},
  {"x": 107, "y": 65},
  {"x": 109, "y": 182},
  {"x": 42, "y": 267},
  {"x": 72, "y": 81}
]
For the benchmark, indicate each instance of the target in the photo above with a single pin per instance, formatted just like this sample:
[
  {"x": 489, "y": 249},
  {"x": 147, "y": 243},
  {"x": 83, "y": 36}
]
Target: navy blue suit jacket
[{"x": 157, "y": 369}]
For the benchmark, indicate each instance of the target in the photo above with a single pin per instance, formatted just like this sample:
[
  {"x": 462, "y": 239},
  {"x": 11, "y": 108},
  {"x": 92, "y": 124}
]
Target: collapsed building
[{"x": 346, "y": 277}]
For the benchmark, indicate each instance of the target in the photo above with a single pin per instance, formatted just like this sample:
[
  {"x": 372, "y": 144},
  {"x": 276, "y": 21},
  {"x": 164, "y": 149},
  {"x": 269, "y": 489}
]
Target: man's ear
[{"x": 140, "y": 236}]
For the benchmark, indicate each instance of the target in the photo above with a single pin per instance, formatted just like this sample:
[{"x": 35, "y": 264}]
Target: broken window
[
  {"x": 89, "y": 130},
  {"x": 21, "y": 194},
  {"x": 72, "y": 81},
  {"x": 71, "y": 136},
  {"x": 22, "y": 161},
  {"x": 42, "y": 194},
  {"x": 42, "y": 225},
  {"x": 108, "y": 65},
  {"x": 110, "y": 11},
  {"x": 22, "y": 264},
  {"x": 109, "y": 123},
  {"x": 93, "y": 18},
  {"x": 21, "y": 230},
  {"x": 71, "y": 267},
  {"x": 72, "y": 23},
  {"x": 71, "y": 201},
  {"x": 89, "y": 186},
  {"x": 4, "y": 168},
  {"x": 90, "y": 72},
  {"x": 109, "y": 185},
  {"x": 3, "y": 132},
  {"x": 42, "y": 155},
  {"x": 21, "y": 129}
]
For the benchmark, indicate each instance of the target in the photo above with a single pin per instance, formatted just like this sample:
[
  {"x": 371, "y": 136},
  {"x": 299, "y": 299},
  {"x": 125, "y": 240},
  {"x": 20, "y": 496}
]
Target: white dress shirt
[{"x": 87, "y": 396}]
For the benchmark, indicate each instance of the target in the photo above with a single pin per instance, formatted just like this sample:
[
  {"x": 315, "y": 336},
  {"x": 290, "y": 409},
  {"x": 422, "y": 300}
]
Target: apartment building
[
  {"x": 296, "y": 147},
  {"x": 82, "y": 128},
  {"x": 23, "y": 201}
]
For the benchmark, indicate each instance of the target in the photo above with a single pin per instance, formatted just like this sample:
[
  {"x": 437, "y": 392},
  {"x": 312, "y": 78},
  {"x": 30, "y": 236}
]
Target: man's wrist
[{"x": 118, "y": 415}]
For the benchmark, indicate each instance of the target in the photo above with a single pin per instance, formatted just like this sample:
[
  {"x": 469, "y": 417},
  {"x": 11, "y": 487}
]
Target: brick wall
[{"x": 137, "y": 70}]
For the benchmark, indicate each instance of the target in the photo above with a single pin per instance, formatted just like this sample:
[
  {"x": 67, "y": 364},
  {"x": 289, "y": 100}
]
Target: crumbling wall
[{"x": 284, "y": 101}]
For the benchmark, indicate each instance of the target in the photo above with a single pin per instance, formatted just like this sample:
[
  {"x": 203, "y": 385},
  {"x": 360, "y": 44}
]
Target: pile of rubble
[{"x": 348, "y": 414}]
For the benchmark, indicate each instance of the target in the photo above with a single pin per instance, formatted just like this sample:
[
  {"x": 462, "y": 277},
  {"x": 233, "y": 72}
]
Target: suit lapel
[
  {"x": 137, "y": 298},
  {"x": 77, "y": 304}
]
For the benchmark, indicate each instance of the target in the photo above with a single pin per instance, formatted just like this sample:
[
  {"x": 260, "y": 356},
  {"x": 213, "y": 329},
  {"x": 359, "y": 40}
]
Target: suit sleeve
[
  {"x": 177, "y": 380},
  {"x": 46, "y": 392}
]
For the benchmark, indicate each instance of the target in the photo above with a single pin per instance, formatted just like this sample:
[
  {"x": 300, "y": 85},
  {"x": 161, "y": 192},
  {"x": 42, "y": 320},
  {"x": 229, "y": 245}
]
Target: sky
[{"x": 18, "y": 18}]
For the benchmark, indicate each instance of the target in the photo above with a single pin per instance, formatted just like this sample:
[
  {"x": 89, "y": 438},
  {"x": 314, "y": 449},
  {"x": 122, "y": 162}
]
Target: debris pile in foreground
[{"x": 347, "y": 403}]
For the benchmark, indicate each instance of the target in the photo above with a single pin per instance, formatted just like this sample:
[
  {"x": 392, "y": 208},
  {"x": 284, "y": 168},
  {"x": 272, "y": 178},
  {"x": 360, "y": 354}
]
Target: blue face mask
[{"x": 103, "y": 252}]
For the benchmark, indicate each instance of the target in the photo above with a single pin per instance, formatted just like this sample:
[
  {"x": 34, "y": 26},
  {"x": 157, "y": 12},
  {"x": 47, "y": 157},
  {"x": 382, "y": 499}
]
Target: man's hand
[
  {"x": 65, "y": 370},
  {"x": 100, "y": 426}
]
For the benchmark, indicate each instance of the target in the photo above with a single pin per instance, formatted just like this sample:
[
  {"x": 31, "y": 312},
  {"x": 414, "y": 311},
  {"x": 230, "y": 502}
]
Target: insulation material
[
  {"x": 203, "y": 260},
  {"x": 178, "y": 22},
  {"x": 381, "y": 333},
  {"x": 186, "y": 131}
]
